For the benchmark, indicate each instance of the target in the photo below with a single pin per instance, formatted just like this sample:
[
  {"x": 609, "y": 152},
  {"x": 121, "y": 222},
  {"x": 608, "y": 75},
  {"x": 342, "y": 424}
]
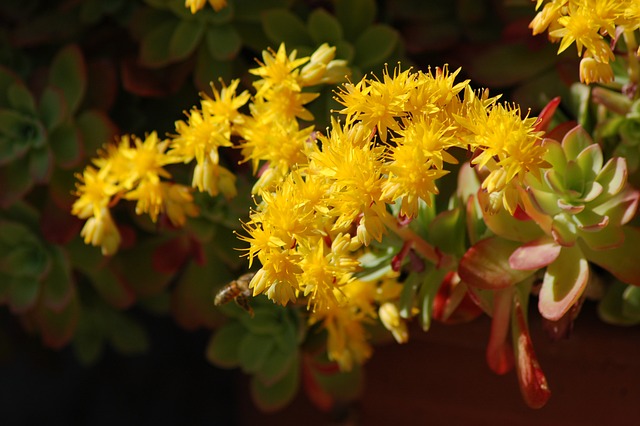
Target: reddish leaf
[
  {"x": 499, "y": 352},
  {"x": 58, "y": 226},
  {"x": 546, "y": 115},
  {"x": 57, "y": 328},
  {"x": 535, "y": 254},
  {"x": 170, "y": 256},
  {"x": 620, "y": 260},
  {"x": 486, "y": 265},
  {"x": 533, "y": 383}
]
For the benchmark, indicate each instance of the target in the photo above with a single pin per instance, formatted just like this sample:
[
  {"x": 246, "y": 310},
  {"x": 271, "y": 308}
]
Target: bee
[{"x": 237, "y": 290}]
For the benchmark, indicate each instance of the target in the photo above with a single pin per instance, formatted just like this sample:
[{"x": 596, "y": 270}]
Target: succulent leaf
[{"x": 535, "y": 254}]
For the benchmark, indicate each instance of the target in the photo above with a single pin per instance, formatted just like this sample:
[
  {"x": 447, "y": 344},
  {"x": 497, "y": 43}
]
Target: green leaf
[
  {"x": 21, "y": 99},
  {"x": 57, "y": 285},
  {"x": 564, "y": 282},
  {"x": 611, "y": 307},
  {"x": 631, "y": 302},
  {"x": 96, "y": 129},
  {"x": 223, "y": 347},
  {"x": 270, "y": 398},
  {"x": 253, "y": 351},
  {"x": 324, "y": 27},
  {"x": 110, "y": 287},
  {"x": 374, "y": 46},
  {"x": 7, "y": 79},
  {"x": 427, "y": 293},
  {"x": 486, "y": 265},
  {"x": 57, "y": 328},
  {"x": 68, "y": 73},
  {"x": 153, "y": 48},
  {"x": 251, "y": 10},
  {"x": 208, "y": 69},
  {"x": 127, "y": 336},
  {"x": 223, "y": 42},
  {"x": 355, "y": 16},
  {"x": 343, "y": 385},
  {"x": 22, "y": 253},
  {"x": 276, "y": 365},
  {"x": 447, "y": 231},
  {"x": 66, "y": 143},
  {"x": 18, "y": 133},
  {"x": 282, "y": 26},
  {"x": 15, "y": 181},
  {"x": 618, "y": 260},
  {"x": 41, "y": 164},
  {"x": 186, "y": 36},
  {"x": 508, "y": 64},
  {"x": 53, "y": 107},
  {"x": 266, "y": 320},
  {"x": 23, "y": 293}
]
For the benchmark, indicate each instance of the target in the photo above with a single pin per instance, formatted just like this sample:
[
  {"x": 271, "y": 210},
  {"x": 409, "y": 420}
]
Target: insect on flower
[{"x": 237, "y": 290}]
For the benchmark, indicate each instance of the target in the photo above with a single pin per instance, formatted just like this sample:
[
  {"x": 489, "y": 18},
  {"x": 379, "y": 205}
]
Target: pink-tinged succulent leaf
[
  {"x": 613, "y": 176},
  {"x": 590, "y": 161},
  {"x": 543, "y": 201},
  {"x": 553, "y": 180},
  {"x": 66, "y": 143},
  {"x": 590, "y": 221},
  {"x": 452, "y": 304},
  {"x": 533, "y": 383},
  {"x": 41, "y": 164},
  {"x": 555, "y": 155},
  {"x": 535, "y": 254},
  {"x": 52, "y": 108},
  {"x": 591, "y": 192},
  {"x": 486, "y": 265},
  {"x": 499, "y": 352},
  {"x": 620, "y": 208},
  {"x": 96, "y": 129},
  {"x": 560, "y": 131},
  {"x": 574, "y": 179},
  {"x": 532, "y": 210},
  {"x": 570, "y": 208},
  {"x": 503, "y": 224},
  {"x": 564, "y": 230},
  {"x": 112, "y": 288},
  {"x": 564, "y": 282},
  {"x": 611, "y": 307},
  {"x": 621, "y": 261},
  {"x": 546, "y": 115},
  {"x": 575, "y": 142},
  {"x": 562, "y": 328},
  {"x": 605, "y": 239}
]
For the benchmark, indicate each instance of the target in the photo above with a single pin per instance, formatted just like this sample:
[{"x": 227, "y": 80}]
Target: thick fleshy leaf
[
  {"x": 355, "y": 16},
  {"x": 606, "y": 239},
  {"x": 41, "y": 164},
  {"x": 57, "y": 287},
  {"x": 576, "y": 141},
  {"x": 324, "y": 27},
  {"x": 273, "y": 397},
  {"x": 136, "y": 267},
  {"x": 53, "y": 108},
  {"x": 563, "y": 283},
  {"x": 127, "y": 336},
  {"x": 57, "y": 328},
  {"x": 375, "y": 45},
  {"x": 427, "y": 294},
  {"x": 7, "y": 79},
  {"x": 564, "y": 230},
  {"x": 590, "y": 161},
  {"x": 153, "y": 48},
  {"x": 499, "y": 352},
  {"x": 535, "y": 254},
  {"x": 253, "y": 351},
  {"x": 486, "y": 265},
  {"x": 18, "y": 134},
  {"x": 222, "y": 350},
  {"x": 282, "y": 26},
  {"x": 23, "y": 293},
  {"x": 555, "y": 155},
  {"x": 276, "y": 365},
  {"x": 620, "y": 208},
  {"x": 503, "y": 224},
  {"x": 15, "y": 181},
  {"x": 68, "y": 73},
  {"x": 66, "y": 144},
  {"x": 447, "y": 231},
  {"x": 546, "y": 115},
  {"x": 112, "y": 288},
  {"x": 96, "y": 129},
  {"x": 613, "y": 176},
  {"x": 611, "y": 306},
  {"x": 185, "y": 38},
  {"x": 620, "y": 260},
  {"x": 533, "y": 383},
  {"x": 223, "y": 42},
  {"x": 21, "y": 99}
]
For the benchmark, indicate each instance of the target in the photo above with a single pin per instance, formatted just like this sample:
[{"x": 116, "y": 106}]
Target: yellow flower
[
  {"x": 200, "y": 137},
  {"x": 196, "y": 5},
  {"x": 278, "y": 69},
  {"x": 390, "y": 318},
  {"x": 592, "y": 71},
  {"x": 146, "y": 160},
  {"x": 226, "y": 103},
  {"x": 99, "y": 230},
  {"x": 94, "y": 193}
]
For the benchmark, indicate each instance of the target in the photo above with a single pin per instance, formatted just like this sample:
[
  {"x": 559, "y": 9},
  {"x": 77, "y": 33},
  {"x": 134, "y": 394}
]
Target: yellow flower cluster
[
  {"x": 594, "y": 26},
  {"x": 133, "y": 169},
  {"x": 327, "y": 195}
]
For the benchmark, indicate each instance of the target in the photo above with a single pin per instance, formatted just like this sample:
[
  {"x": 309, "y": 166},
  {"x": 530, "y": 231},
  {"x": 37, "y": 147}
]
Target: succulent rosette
[{"x": 581, "y": 205}]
